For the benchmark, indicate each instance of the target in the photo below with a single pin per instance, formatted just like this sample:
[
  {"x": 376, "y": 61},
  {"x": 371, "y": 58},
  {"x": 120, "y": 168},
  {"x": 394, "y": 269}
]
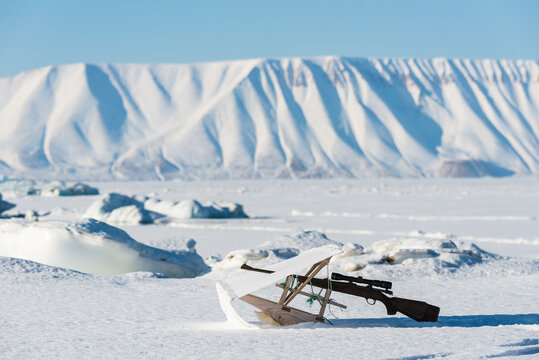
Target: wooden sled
[{"x": 281, "y": 313}]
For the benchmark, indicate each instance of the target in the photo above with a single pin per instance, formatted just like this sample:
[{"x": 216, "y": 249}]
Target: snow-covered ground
[{"x": 488, "y": 296}]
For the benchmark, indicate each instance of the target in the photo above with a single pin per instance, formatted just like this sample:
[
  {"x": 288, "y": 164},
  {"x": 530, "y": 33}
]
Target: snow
[
  {"x": 273, "y": 118},
  {"x": 116, "y": 208},
  {"x": 487, "y": 293},
  {"x": 93, "y": 247}
]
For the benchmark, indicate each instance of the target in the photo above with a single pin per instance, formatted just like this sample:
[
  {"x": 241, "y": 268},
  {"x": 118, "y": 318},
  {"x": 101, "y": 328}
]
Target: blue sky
[{"x": 40, "y": 33}]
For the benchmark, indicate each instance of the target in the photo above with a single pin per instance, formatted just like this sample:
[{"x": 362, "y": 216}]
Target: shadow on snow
[{"x": 443, "y": 321}]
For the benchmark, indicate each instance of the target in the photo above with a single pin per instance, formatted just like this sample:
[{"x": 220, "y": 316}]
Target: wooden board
[{"x": 283, "y": 315}]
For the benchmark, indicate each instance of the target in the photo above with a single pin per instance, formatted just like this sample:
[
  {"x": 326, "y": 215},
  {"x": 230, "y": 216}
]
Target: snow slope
[{"x": 268, "y": 118}]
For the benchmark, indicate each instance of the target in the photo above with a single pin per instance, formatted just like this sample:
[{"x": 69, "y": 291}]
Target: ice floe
[
  {"x": 192, "y": 209},
  {"x": 5, "y": 206},
  {"x": 94, "y": 247},
  {"x": 121, "y": 209},
  {"x": 17, "y": 187},
  {"x": 62, "y": 189}
]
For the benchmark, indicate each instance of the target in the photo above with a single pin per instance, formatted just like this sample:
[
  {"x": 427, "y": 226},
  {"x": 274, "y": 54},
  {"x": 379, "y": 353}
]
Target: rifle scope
[{"x": 378, "y": 283}]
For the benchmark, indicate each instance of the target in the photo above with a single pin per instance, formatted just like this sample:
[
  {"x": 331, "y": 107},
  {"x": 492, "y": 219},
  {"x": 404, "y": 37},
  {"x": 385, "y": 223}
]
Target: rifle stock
[{"x": 417, "y": 310}]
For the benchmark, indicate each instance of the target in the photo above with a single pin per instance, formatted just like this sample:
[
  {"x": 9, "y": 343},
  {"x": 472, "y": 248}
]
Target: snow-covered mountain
[{"x": 264, "y": 118}]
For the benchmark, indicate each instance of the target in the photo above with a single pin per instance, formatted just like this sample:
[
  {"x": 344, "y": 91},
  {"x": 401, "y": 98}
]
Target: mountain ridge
[{"x": 272, "y": 118}]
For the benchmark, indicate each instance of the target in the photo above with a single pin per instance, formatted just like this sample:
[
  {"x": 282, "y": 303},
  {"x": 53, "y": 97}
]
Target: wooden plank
[
  {"x": 324, "y": 303},
  {"x": 294, "y": 292},
  {"x": 286, "y": 288},
  {"x": 283, "y": 315}
]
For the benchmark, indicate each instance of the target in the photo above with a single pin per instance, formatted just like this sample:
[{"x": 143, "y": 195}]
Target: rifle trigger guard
[{"x": 373, "y": 301}]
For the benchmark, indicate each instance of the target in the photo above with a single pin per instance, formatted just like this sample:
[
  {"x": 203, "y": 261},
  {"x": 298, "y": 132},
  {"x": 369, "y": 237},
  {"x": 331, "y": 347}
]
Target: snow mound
[
  {"x": 5, "y": 206},
  {"x": 17, "y": 187},
  {"x": 93, "y": 247},
  {"x": 121, "y": 209},
  {"x": 281, "y": 248},
  {"x": 426, "y": 253}
]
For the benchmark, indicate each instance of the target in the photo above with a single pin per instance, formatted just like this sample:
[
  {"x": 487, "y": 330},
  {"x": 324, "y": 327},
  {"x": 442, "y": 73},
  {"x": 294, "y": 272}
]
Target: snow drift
[
  {"x": 94, "y": 247},
  {"x": 121, "y": 209},
  {"x": 267, "y": 118},
  {"x": 430, "y": 255}
]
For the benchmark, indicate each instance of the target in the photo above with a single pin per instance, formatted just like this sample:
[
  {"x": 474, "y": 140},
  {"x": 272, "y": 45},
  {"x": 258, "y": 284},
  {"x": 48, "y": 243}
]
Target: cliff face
[{"x": 263, "y": 118}]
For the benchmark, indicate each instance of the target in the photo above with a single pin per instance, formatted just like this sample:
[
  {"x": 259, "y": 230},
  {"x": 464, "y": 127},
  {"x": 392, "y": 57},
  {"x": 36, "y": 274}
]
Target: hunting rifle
[{"x": 373, "y": 290}]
